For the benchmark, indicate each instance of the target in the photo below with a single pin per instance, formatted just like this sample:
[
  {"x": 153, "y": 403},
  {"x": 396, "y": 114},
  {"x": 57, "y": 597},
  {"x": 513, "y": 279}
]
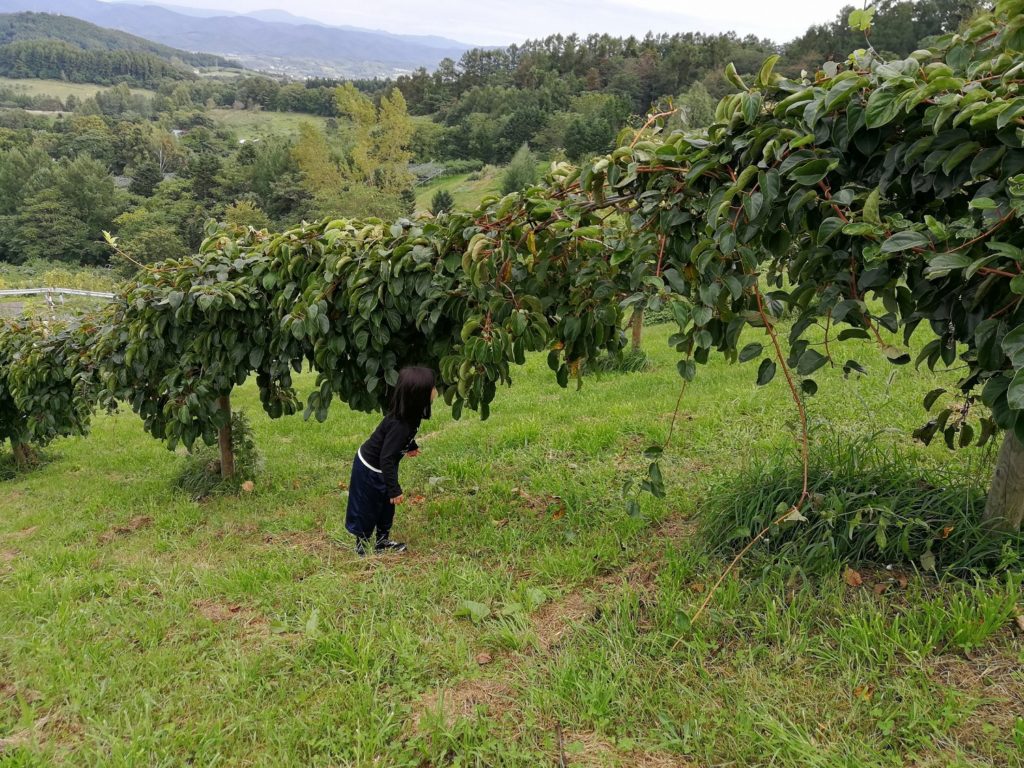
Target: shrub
[
  {"x": 441, "y": 201},
  {"x": 521, "y": 172}
]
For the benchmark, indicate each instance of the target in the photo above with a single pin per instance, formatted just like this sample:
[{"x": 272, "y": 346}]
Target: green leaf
[
  {"x": 751, "y": 351},
  {"x": 764, "y": 76},
  {"x": 943, "y": 263},
  {"x": 1015, "y": 392},
  {"x": 860, "y": 18},
  {"x": 810, "y": 361},
  {"x": 766, "y": 372},
  {"x": 871, "y": 214},
  {"x": 811, "y": 172},
  {"x": 733, "y": 76},
  {"x": 476, "y": 612},
  {"x": 1013, "y": 346},
  {"x": 928, "y": 561},
  {"x": 931, "y": 397},
  {"x": 904, "y": 241},
  {"x": 828, "y": 229},
  {"x": 883, "y": 106}
]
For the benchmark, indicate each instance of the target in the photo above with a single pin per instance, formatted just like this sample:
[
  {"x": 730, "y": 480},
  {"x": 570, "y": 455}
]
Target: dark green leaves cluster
[{"x": 47, "y": 381}]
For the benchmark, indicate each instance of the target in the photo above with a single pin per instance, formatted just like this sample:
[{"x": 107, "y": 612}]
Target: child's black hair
[{"x": 410, "y": 401}]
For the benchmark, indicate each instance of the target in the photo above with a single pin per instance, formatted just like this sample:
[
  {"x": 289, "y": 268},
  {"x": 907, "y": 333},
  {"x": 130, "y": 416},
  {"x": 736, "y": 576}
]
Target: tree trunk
[
  {"x": 1005, "y": 508},
  {"x": 637, "y": 324},
  {"x": 21, "y": 454},
  {"x": 224, "y": 440}
]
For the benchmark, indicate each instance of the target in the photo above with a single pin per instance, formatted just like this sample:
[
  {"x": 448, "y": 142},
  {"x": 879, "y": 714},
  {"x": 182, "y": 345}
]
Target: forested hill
[
  {"x": 21, "y": 27},
  {"x": 38, "y": 45},
  {"x": 574, "y": 93}
]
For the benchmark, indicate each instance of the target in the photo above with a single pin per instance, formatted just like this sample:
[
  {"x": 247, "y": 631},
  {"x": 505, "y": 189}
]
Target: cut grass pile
[{"x": 533, "y": 622}]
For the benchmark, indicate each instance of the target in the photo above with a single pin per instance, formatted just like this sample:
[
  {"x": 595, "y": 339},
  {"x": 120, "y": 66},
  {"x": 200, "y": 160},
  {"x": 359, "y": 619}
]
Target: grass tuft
[
  {"x": 869, "y": 504},
  {"x": 200, "y": 476}
]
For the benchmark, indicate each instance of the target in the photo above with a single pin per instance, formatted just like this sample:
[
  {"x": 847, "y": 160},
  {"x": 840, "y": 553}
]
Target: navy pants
[{"x": 369, "y": 507}]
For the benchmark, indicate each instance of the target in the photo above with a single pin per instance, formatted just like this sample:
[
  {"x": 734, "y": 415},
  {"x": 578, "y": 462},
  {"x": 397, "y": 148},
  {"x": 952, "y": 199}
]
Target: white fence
[{"x": 50, "y": 292}]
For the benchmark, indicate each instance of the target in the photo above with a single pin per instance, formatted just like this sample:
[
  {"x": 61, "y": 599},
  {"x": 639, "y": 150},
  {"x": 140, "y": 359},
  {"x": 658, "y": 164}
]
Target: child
[{"x": 374, "y": 490}]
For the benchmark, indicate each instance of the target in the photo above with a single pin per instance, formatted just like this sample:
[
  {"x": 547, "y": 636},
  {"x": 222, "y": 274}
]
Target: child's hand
[
  {"x": 398, "y": 499},
  {"x": 413, "y": 453}
]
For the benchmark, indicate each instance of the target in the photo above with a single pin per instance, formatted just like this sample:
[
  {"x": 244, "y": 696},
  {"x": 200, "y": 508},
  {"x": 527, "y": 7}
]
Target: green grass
[
  {"x": 467, "y": 192},
  {"x": 58, "y": 88},
  {"x": 250, "y": 124},
  {"x": 138, "y": 627}
]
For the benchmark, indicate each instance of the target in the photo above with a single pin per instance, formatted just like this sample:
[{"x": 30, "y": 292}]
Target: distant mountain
[
  {"x": 294, "y": 46},
  {"x": 36, "y": 27}
]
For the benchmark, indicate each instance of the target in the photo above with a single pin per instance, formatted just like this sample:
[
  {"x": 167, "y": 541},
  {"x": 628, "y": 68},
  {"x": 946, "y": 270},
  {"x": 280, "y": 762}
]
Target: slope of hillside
[
  {"x": 24, "y": 27},
  {"x": 289, "y": 48}
]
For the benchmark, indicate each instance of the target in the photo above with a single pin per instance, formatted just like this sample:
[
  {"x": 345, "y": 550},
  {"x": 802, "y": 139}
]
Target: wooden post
[{"x": 224, "y": 441}]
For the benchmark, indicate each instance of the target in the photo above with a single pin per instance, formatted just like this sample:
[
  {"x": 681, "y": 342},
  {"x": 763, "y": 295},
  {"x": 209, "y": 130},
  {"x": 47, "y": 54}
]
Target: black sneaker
[
  {"x": 362, "y": 545},
  {"x": 387, "y": 545}
]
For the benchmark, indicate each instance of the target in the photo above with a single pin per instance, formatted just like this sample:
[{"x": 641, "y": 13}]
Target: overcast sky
[{"x": 498, "y": 23}]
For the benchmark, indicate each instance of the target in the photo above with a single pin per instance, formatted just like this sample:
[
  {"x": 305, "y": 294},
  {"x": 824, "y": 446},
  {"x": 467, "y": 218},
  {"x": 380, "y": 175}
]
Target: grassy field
[
  {"x": 467, "y": 192},
  {"x": 58, "y": 88},
  {"x": 250, "y": 124},
  {"x": 139, "y": 627}
]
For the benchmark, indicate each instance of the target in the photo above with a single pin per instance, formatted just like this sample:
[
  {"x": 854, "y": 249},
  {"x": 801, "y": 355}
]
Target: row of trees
[
  {"x": 884, "y": 198},
  {"x": 55, "y": 60}
]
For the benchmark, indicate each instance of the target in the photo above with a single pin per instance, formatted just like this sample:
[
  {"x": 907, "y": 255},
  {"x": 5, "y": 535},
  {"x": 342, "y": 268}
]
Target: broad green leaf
[
  {"x": 811, "y": 172},
  {"x": 904, "y": 241},
  {"x": 1013, "y": 346},
  {"x": 883, "y": 106},
  {"x": 1015, "y": 392},
  {"x": 810, "y": 361},
  {"x": 749, "y": 352}
]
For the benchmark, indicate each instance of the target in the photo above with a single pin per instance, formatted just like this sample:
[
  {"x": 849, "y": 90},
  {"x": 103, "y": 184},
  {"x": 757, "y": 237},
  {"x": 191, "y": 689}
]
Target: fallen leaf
[
  {"x": 946, "y": 531},
  {"x": 557, "y": 507},
  {"x": 852, "y": 578},
  {"x": 1020, "y": 622},
  {"x": 483, "y": 658},
  {"x": 342, "y": 486},
  {"x": 880, "y": 587},
  {"x": 248, "y": 486},
  {"x": 418, "y": 499},
  {"x": 901, "y": 579},
  {"x": 794, "y": 516},
  {"x": 864, "y": 692},
  {"x": 296, "y": 484},
  {"x": 500, "y": 523},
  {"x": 697, "y": 586}
]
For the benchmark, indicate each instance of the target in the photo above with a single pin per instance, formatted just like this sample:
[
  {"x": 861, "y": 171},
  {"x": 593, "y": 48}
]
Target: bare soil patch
[
  {"x": 554, "y": 619},
  {"x": 493, "y": 698},
  {"x": 60, "y": 730},
  {"x": 135, "y": 524},
  {"x": 588, "y": 750},
  {"x": 997, "y": 680},
  {"x": 251, "y": 622},
  {"x": 19, "y": 535}
]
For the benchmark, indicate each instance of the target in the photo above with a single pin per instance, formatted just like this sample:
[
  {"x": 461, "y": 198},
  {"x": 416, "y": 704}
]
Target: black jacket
[{"x": 390, "y": 441}]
